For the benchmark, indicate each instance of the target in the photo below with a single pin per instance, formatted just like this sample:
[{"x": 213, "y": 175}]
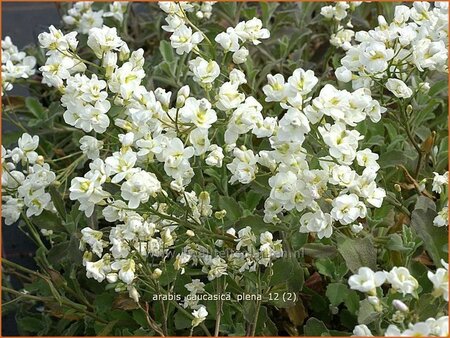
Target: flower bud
[
  {"x": 40, "y": 160},
  {"x": 424, "y": 87},
  {"x": 356, "y": 228},
  {"x": 399, "y": 305},
  {"x": 132, "y": 292},
  {"x": 124, "y": 52},
  {"x": 240, "y": 56},
  {"x": 375, "y": 301},
  {"x": 409, "y": 109},
  {"x": 156, "y": 273},
  {"x": 112, "y": 277},
  {"x": 190, "y": 233},
  {"x": 343, "y": 74},
  {"x": 220, "y": 214}
]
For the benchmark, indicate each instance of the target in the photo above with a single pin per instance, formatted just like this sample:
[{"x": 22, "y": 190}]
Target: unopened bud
[
  {"x": 220, "y": 214},
  {"x": 112, "y": 277},
  {"x": 409, "y": 109},
  {"x": 132, "y": 292},
  {"x": 397, "y": 187},
  {"x": 190, "y": 233},
  {"x": 399, "y": 305},
  {"x": 40, "y": 160},
  {"x": 156, "y": 273}
]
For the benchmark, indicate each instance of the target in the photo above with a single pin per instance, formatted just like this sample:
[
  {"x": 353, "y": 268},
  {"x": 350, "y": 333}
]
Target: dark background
[{"x": 22, "y": 22}]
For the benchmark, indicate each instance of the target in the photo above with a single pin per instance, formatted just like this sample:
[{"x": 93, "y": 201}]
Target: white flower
[
  {"x": 317, "y": 222},
  {"x": 94, "y": 239},
  {"x": 246, "y": 238},
  {"x": 362, "y": 331},
  {"x": 442, "y": 218},
  {"x": 183, "y": 40},
  {"x": 347, "y": 208},
  {"x": 366, "y": 280},
  {"x": 401, "y": 280},
  {"x": 228, "y": 40},
  {"x": 439, "y": 181},
  {"x": 243, "y": 167},
  {"x": 275, "y": 90},
  {"x": 399, "y": 88},
  {"x": 374, "y": 56},
  {"x": 440, "y": 281},
  {"x": 229, "y": 96},
  {"x": 252, "y": 30},
  {"x": 240, "y": 56},
  {"x": 139, "y": 187},
  {"x": 199, "y": 316},
  {"x": 56, "y": 42},
  {"x": 122, "y": 165},
  {"x": 117, "y": 10},
  {"x": 198, "y": 112},
  {"x": 99, "y": 269},
  {"x": 27, "y": 145},
  {"x": 11, "y": 210},
  {"x": 205, "y": 72},
  {"x": 90, "y": 146},
  {"x": 126, "y": 268},
  {"x": 181, "y": 261},
  {"x": 366, "y": 158},
  {"x": 199, "y": 140},
  {"x": 215, "y": 157},
  {"x": 103, "y": 40},
  {"x": 343, "y": 74},
  {"x": 196, "y": 286},
  {"x": 302, "y": 82},
  {"x": 218, "y": 267}
]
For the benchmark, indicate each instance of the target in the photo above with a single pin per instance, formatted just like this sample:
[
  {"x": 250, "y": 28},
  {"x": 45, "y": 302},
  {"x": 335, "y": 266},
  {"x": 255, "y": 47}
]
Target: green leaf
[
  {"x": 426, "y": 307},
  {"x": 336, "y": 293},
  {"x": 438, "y": 87},
  {"x": 352, "y": 301},
  {"x": 232, "y": 207},
  {"x": 166, "y": 51},
  {"x": 366, "y": 313},
  {"x": 393, "y": 158},
  {"x": 58, "y": 253},
  {"x": 434, "y": 238},
  {"x": 358, "y": 252},
  {"x": 58, "y": 202},
  {"x": 319, "y": 250},
  {"x": 108, "y": 328},
  {"x": 36, "y": 108},
  {"x": 267, "y": 9},
  {"x": 315, "y": 327},
  {"x": 31, "y": 324},
  {"x": 182, "y": 321},
  {"x": 287, "y": 270}
]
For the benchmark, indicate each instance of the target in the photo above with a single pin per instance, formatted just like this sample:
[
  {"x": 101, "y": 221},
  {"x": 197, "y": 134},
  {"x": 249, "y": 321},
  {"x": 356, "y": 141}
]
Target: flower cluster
[
  {"x": 430, "y": 327},
  {"x": 183, "y": 39},
  {"x": 25, "y": 179},
  {"x": 15, "y": 64},
  {"x": 439, "y": 186},
  {"x": 401, "y": 281},
  {"x": 235, "y": 37},
  {"x": 82, "y": 17},
  {"x": 417, "y": 38},
  {"x": 328, "y": 119}
]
